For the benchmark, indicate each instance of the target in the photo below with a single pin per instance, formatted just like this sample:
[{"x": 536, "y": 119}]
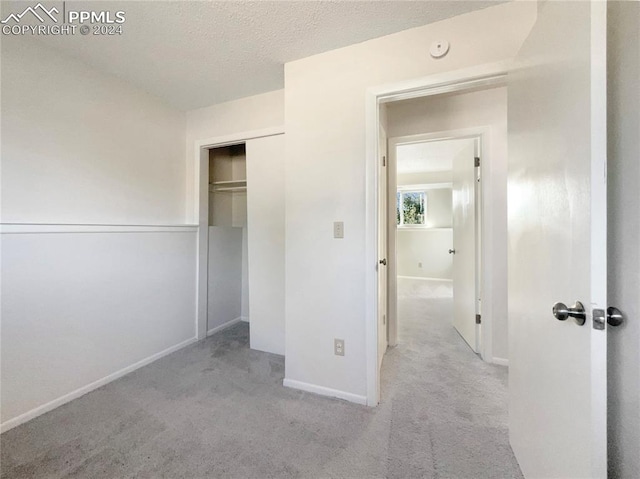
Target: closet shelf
[
  {"x": 228, "y": 182},
  {"x": 228, "y": 186},
  {"x": 229, "y": 189}
]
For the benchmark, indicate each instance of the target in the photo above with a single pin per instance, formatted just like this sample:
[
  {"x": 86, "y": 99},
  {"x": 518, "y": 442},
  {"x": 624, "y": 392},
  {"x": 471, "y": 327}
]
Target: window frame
[
  {"x": 401, "y": 191},
  {"x": 420, "y": 188}
]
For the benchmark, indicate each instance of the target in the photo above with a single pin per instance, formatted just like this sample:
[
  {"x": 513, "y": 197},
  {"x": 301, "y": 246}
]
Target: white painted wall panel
[
  {"x": 447, "y": 112},
  {"x": 265, "y": 213},
  {"x": 429, "y": 247},
  {"x": 78, "y": 307},
  {"x": 424, "y": 177},
  {"x": 239, "y": 209},
  {"x": 245, "y": 313},
  {"x": 82, "y": 305},
  {"x": 79, "y": 146},
  {"x": 225, "y": 275}
]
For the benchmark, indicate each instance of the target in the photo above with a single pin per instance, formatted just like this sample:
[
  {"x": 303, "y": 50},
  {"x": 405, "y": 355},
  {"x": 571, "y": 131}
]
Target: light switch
[{"x": 338, "y": 229}]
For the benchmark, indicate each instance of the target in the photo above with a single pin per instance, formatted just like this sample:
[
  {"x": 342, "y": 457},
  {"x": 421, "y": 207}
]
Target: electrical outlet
[
  {"x": 338, "y": 347},
  {"x": 338, "y": 229}
]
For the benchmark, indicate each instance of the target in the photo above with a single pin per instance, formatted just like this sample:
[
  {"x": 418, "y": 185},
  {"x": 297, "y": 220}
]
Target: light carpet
[{"x": 218, "y": 409}]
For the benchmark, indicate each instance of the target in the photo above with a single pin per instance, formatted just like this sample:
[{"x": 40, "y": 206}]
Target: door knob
[
  {"x": 577, "y": 312},
  {"x": 452, "y": 251},
  {"x": 614, "y": 316},
  {"x": 383, "y": 262}
]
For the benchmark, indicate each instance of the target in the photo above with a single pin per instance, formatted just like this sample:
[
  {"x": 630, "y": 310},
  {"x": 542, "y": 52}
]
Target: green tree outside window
[{"x": 411, "y": 207}]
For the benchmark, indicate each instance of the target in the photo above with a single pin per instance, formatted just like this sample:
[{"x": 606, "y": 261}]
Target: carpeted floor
[{"x": 218, "y": 409}]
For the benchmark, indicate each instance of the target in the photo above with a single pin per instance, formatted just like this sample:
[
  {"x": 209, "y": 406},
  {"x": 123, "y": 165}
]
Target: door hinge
[
  {"x": 384, "y": 161},
  {"x": 476, "y": 161},
  {"x": 478, "y": 319},
  {"x": 384, "y": 319}
]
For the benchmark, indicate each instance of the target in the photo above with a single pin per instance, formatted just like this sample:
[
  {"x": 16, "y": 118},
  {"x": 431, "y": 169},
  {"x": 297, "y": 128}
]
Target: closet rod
[{"x": 230, "y": 189}]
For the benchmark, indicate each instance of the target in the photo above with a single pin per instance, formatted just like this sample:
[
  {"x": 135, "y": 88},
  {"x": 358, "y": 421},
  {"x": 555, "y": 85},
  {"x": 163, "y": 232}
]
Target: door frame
[
  {"x": 201, "y": 174},
  {"x": 453, "y": 81},
  {"x": 480, "y": 136}
]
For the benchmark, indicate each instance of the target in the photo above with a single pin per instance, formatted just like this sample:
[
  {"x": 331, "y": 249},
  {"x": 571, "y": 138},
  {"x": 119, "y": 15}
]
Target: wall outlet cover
[{"x": 338, "y": 229}]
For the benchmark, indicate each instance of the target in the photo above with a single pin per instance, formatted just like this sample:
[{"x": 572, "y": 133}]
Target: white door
[
  {"x": 557, "y": 243},
  {"x": 464, "y": 243},
  {"x": 265, "y": 237},
  {"x": 382, "y": 247}
]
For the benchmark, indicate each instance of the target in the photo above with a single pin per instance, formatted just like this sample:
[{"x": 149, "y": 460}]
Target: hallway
[
  {"x": 459, "y": 401},
  {"x": 218, "y": 409}
]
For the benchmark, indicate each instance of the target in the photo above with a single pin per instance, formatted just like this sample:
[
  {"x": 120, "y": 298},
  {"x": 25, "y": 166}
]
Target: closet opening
[
  {"x": 228, "y": 283},
  {"x": 241, "y": 237}
]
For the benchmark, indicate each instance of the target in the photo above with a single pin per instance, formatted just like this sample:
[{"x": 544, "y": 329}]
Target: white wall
[
  {"x": 485, "y": 108},
  {"x": 624, "y": 231},
  {"x": 447, "y": 112},
  {"x": 84, "y": 304},
  {"x": 246, "y": 114},
  {"x": 325, "y": 173},
  {"x": 80, "y": 307},
  {"x": 81, "y": 147},
  {"x": 245, "y": 312},
  {"x": 424, "y": 177},
  {"x": 424, "y": 253},
  {"x": 225, "y": 276}
]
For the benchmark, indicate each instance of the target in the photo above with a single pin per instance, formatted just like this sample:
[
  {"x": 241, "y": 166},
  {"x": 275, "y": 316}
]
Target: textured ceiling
[
  {"x": 197, "y": 53},
  {"x": 428, "y": 157}
]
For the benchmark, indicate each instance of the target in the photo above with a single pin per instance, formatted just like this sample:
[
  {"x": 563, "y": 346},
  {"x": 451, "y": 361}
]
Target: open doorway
[
  {"x": 434, "y": 242},
  {"x": 469, "y": 121}
]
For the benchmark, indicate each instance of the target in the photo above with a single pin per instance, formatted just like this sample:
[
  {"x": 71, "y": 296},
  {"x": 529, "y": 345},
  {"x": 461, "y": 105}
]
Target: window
[{"x": 411, "y": 208}]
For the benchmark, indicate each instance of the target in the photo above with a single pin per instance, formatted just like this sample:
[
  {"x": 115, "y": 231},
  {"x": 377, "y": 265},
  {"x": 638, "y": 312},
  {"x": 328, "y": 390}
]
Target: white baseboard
[
  {"x": 500, "y": 361},
  {"x": 313, "y": 388},
  {"x": 226, "y": 325},
  {"x": 245, "y": 319},
  {"x": 51, "y": 405},
  {"x": 425, "y": 279}
]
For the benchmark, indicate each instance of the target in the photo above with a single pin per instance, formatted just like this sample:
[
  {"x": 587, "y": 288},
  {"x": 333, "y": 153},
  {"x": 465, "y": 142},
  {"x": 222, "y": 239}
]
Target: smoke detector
[{"x": 439, "y": 48}]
